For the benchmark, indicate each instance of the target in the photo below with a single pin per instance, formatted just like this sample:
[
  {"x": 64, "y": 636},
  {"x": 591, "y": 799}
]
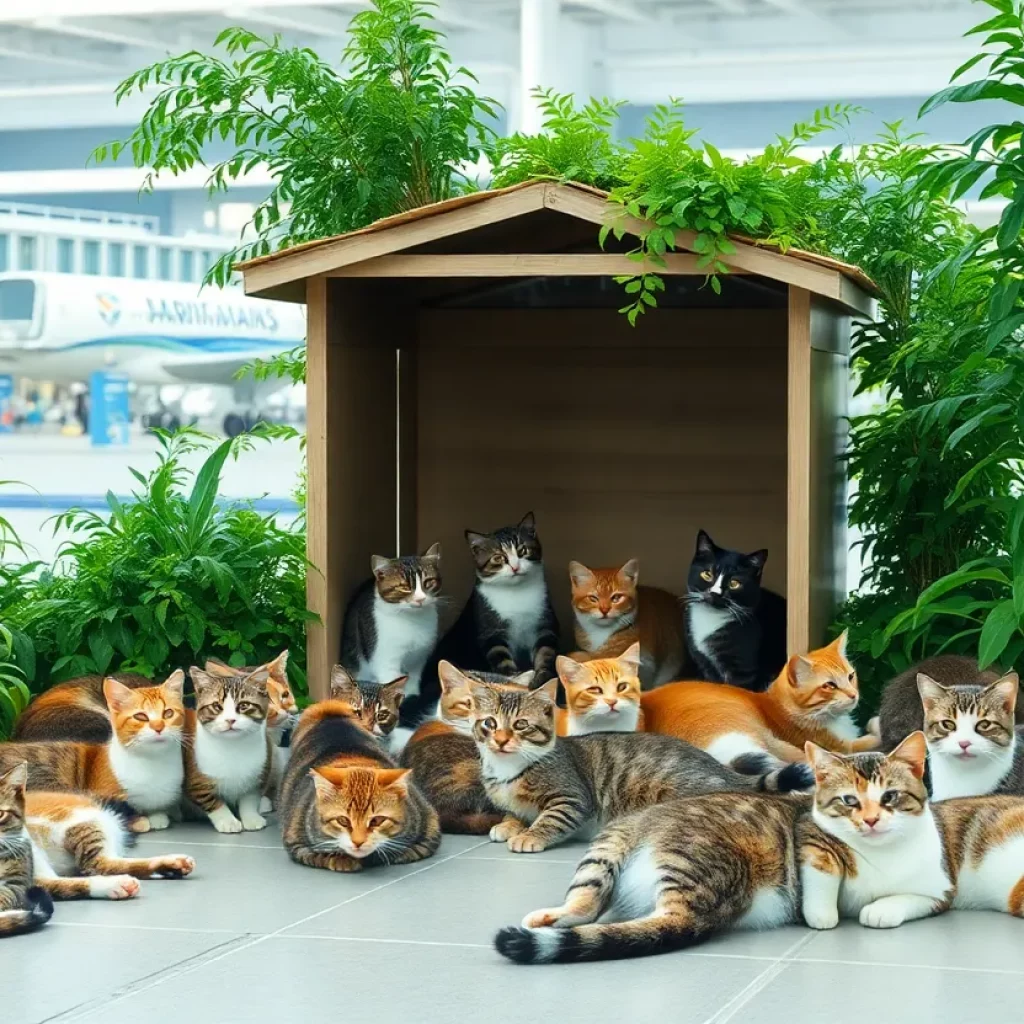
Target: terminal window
[
  {"x": 4, "y": 257},
  {"x": 66, "y": 255},
  {"x": 27, "y": 252},
  {"x": 140, "y": 261},
  {"x": 91, "y": 257},
  {"x": 166, "y": 274}
]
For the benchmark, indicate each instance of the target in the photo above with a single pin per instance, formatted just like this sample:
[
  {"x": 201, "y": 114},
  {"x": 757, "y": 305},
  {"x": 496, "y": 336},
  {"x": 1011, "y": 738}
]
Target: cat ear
[
  {"x": 528, "y": 524},
  {"x": 325, "y": 789},
  {"x": 930, "y": 690},
  {"x": 15, "y": 778},
  {"x": 394, "y": 778},
  {"x": 800, "y": 670},
  {"x": 579, "y": 574},
  {"x": 549, "y": 691},
  {"x": 434, "y": 551},
  {"x": 343, "y": 685},
  {"x": 631, "y": 570},
  {"x": 396, "y": 685},
  {"x": 705, "y": 545},
  {"x": 820, "y": 759},
  {"x": 279, "y": 666},
  {"x": 631, "y": 656},
  {"x": 452, "y": 678},
  {"x": 200, "y": 679},
  {"x": 174, "y": 686},
  {"x": 477, "y": 540},
  {"x": 378, "y": 563},
  {"x": 523, "y": 679},
  {"x": 259, "y": 677},
  {"x": 218, "y": 668},
  {"x": 1005, "y": 689},
  {"x": 758, "y": 558},
  {"x": 118, "y": 696},
  {"x": 569, "y": 671},
  {"x": 839, "y": 644},
  {"x": 912, "y": 751}
]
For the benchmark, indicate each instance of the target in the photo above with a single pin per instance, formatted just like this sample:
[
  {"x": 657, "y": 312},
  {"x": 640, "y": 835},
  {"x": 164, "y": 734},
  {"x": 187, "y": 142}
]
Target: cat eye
[
  {"x": 342, "y": 821},
  {"x": 985, "y": 725},
  {"x": 246, "y": 706},
  {"x": 616, "y": 598},
  {"x": 216, "y": 708},
  {"x": 593, "y": 689},
  {"x": 430, "y": 584},
  {"x": 829, "y": 685},
  {"x": 890, "y": 797},
  {"x": 523, "y": 552},
  {"x": 850, "y": 800},
  {"x": 168, "y": 712},
  {"x": 735, "y": 584},
  {"x": 520, "y": 725},
  {"x": 593, "y": 598},
  {"x": 948, "y": 725},
  {"x": 708, "y": 575},
  {"x": 851, "y": 676},
  {"x": 379, "y": 821},
  {"x": 4, "y": 816},
  {"x": 497, "y": 559},
  {"x": 623, "y": 686},
  {"x": 140, "y": 716},
  {"x": 490, "y": 723}
]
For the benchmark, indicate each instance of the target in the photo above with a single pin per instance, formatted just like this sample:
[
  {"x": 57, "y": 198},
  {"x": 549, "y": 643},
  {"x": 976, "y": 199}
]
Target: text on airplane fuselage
[{"x": 205, "y": 314}]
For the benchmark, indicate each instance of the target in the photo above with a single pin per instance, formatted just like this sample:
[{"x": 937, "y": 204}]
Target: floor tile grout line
[
  {"x": 910, "y": 967},
  {"x": 380, "y": 941},
  {"x": 220, "y": 846}
]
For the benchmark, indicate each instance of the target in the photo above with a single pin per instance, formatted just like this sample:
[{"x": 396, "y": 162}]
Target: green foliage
[
  {"x": 14, "y": 694},
  {"x": 394, "y": 132},
  {"x": 169, "y": 578}
]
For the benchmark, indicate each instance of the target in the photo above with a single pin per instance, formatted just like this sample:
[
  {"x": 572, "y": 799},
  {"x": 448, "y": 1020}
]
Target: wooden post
[{"x": 798, "y": 475}]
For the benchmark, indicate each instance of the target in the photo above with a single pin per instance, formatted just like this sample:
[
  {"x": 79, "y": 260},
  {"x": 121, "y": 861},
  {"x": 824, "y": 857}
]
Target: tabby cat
[
  {"x": 24, "y": 907},
  {"x": 141, "y": 764},
  {"x": 602, "y": 695},
  {"x": 508, "y": 626},
  {"x": 443, "y": 756},
  {"x": 345, "y": 805},
  {"x": 867, "y": 846},
  {"x": 612, "y": 612},
  {"x": 810, "y": 700},
  {"x": 391, "y": 624},
  {"x": 228, "y": 758},
  {"x": 282, "y": 714},
  {"x": 735, "y": 627},
  {"x": 551, "y": 788},
  {"x": 377, "y": 705}
]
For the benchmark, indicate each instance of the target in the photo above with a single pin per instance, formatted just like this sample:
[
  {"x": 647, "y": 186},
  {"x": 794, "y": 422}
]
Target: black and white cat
[
  {"x": 736, "y": 629},
  {"x": 391, "y": 624},
  {"x": 508, "y": 626}
]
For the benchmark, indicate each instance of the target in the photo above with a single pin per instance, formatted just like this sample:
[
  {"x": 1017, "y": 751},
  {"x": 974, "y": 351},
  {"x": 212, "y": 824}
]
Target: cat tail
[
  {"x": 791, "y": 777},
  {"x": 38, "y": 910},
  {"x": 618, "y": 941}
]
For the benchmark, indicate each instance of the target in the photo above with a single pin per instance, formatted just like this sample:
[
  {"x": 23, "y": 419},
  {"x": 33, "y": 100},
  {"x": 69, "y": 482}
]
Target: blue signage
[
  {"x": 6, "y": 393},
  {"x": 108, "y": 408}
]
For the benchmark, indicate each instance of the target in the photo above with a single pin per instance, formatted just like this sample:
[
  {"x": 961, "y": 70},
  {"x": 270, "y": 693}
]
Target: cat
[
  {"x": 508, "y": 626},
  {"x": 282, "y": 714},
  {"x": 443, "y": 756},
  {"x": 345, "y": 805},
  {"x": 602, "y": 695},
  {"x": 867, "y": 845},
  {"x": 900, "y": 711},
  {"x": 141, "y": 764},
  {"x": 612, "y": 612},
  {"x": 392, "y": 623},
  {"x": 811, "y": 699},
  {"x": 735, "y": 628},
  {"x": 228, "y": 758},
  {"x": 550, "y": 788},
  {"x": 377, "y": 706},
  {"x": 24, "y": 906}
]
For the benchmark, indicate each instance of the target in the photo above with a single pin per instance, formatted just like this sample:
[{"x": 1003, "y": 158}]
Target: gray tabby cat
[
  {"x": 376, "y": 705},
  {"x": 551, "y": 787},
  {"x": 23, "y": 906}
]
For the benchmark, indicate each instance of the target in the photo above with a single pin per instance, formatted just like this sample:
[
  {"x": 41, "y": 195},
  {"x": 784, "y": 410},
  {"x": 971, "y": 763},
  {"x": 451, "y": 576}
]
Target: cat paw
[
  {"x": 874, "y": 727},
  {"x": 552, "y": 917},
  {"x": 882, "y": 915},
  {"x": 159, "y": 821},
  {"x": 525, "y": 843},
  {"x": 114, "y": 887},
  {"x": 344, "y": 864},
  {"x": 266, "y": 805},
  {"x": 224, "y": 821},
  {"x": 174, "y": 866},
  {"x": 505, "y": 830},
  {"x": 253, "y": 822},
  {"x": 139, "y": 824},
  {"x": 822, "y": 918}
]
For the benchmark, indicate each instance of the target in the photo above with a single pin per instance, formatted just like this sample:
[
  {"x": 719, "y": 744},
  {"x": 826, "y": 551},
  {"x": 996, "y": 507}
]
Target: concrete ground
[{"x": 253, "y": 938}]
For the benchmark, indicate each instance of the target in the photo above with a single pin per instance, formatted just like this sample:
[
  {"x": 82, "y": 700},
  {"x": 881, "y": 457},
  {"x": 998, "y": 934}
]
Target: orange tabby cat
[
  {"x": 612, "y": 612},
  {"x": 602, "y": 695},
  {"x": 811, "y": 700}
]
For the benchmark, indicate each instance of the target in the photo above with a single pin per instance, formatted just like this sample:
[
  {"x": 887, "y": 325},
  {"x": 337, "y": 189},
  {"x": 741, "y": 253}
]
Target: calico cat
[
  {"x": 228, "y": 758},
  {"x": 508, "y": 626},
  {"x": 602, "y": 695},
  {"x": 345, "y": 805},
  {"x": 868, "y": 845},
  {"x": 900, "y": 712},
  {"x": 391, "y": 624},
  {"x": 612, "y": 612},
  {"x": 551, "y": 788},
  {"x": 443, "y": 756},
  {"x": 810, "y": 700},
  {"x": 141, "y": 764},
  {"x": 377, "y": 705},
  {"x": 735, "y": 628}
]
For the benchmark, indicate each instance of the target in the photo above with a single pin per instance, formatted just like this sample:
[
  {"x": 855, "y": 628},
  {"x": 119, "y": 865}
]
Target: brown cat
[
  {"x": 810, "y": 700},
  {"x": 602, "y": 695},
  {"x": 612, "y": 612}
]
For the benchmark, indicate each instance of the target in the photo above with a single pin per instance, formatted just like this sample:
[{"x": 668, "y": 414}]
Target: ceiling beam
[
  {"x": 24, "y": 45},
  {"x": 730, "y": 6},
  {"x": 291, "y": 19},
  {"x": 115, "y": 32},
  {"x": 622, "y": 10}
]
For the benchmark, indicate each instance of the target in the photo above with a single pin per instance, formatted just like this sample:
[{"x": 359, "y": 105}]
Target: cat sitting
[{"x": 601, "y": 695}]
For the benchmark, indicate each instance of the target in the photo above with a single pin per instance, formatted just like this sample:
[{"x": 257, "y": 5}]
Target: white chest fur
[
  {"x": 842, "y": 726},
  {"x": 954, "y": 777},
  {"x": 520, "y": 605},
  {"x": 151, "y": 775},
  {"x": 599, "y": 631},
  {"x": 405, "y": 638},
  {"x": 705, "y": 622},
  {"x": 235, "y": 763}
]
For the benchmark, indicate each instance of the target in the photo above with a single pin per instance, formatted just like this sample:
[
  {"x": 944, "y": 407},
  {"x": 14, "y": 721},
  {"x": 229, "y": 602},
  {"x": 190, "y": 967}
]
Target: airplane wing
[{"x": 215, "y": 368}]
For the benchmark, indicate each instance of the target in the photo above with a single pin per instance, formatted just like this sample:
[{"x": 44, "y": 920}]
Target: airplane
[{"x": 62, "y": 327}]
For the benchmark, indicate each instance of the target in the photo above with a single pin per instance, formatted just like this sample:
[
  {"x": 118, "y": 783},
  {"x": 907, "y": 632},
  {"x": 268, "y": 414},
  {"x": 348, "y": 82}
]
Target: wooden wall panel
[
  {"x": 798, "y": 472},
  {"x": 623, "y": 441}
]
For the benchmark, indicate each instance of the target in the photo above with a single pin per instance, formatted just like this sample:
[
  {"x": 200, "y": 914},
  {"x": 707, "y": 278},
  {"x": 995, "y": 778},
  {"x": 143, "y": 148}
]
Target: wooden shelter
[{"x": 467, "y": 363}]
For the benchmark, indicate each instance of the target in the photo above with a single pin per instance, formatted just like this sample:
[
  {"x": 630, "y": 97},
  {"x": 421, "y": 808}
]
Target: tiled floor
[{"x": 253, "y": 938}]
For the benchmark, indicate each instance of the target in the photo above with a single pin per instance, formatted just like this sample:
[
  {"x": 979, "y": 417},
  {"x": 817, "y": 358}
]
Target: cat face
[
  {"x": 869, "y": 799},
  {"x": 282, "y": 709},
  {"x": 508, "y": 555},
  {"x": 375, "y": 704},
  {"x": 724, "y": 578},
  {"x": 605, "y": 596},
  {"x": 12, "y": 801},
  {"x": 410, "y": 581},
  {"x": 456, "y": 705},
  {"x": 513, "y": 724},
  {"x": 972, "y": 724},
  {"x": 604, "y": 693},
  {"x": 147, "y": 717},
  {"x": 823, "y": 683},
  {"x": 276, "y": 670},
  {"x": 231, "y": 706},
  {"x": 361, "y": 809}
]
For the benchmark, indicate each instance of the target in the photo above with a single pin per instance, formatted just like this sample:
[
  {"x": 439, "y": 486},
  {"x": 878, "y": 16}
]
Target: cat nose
[
  {"x": 157, "y": 726},
  {"x": 965, "y": 744},
  {"x": 612, "y": 701},
  {"x": 230, "y": 722},
  {"x": 872, "y": 822}
]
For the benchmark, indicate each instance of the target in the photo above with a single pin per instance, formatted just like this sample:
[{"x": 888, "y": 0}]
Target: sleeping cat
[
  {"x": 141, "y": 764},
  {"x": 868, "y": 846},
  {"x": 443, "y": 756},
  {"x": 551, "y": 788},
  {"x": 810, "y": 700},
  {"x": 391, "y": 624},
  {"x": 612, "y": 612},
  {"x": 228, "y": 757},
  {"x": 345, "y": 805},
  {"x": 602, "y": 695},
  {"x": 735, "y": 628},
  {"x": 377, "y": 705},
  {"x": 508, "y": 625}
]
